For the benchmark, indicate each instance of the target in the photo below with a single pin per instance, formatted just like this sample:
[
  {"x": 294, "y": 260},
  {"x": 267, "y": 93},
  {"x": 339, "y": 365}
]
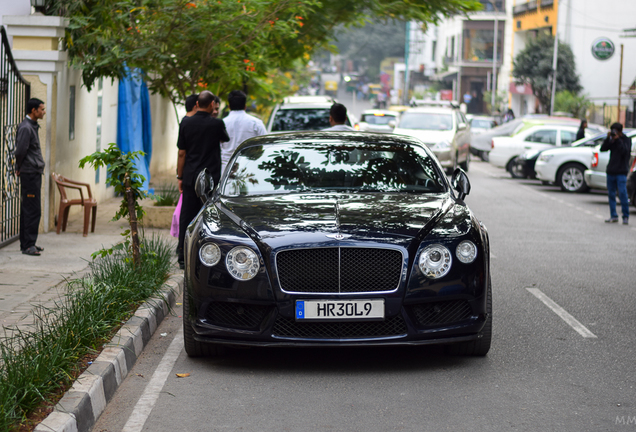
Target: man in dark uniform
[
  {"x": 199, "y": 144},
  {"x": 30, "y": 167}
]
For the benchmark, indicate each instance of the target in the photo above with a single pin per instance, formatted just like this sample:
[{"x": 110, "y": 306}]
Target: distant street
[{"x": 562, "y": 357}]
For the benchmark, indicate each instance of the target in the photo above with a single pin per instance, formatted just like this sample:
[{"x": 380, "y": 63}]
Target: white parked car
[
  {"x": 541, "y": 137},
  {"x": 380, "y": 121},
  {"x": 445, "y": 131},
  {"x": 595, "y": 177},
  {"x": 565, "y": 166}
]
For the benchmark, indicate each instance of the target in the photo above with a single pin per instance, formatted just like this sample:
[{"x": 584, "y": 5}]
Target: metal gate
[{"x": 14, "y": 93}]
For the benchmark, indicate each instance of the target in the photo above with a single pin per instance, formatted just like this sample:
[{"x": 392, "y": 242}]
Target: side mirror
[
  {"x": 461, "y": 126},
  {"x": 204, "y": 185},
  {"x": 460, "y": 183},
  {"x": 392, "y": 124}
]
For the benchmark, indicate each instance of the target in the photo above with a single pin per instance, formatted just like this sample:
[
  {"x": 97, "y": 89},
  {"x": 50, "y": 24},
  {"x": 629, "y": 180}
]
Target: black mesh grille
[
  {"x": 332, "y": 270},
  {"x": 286, "y": 327},
  {"x": 236, "y": 315},
  {"x": 446, "y": 312}
]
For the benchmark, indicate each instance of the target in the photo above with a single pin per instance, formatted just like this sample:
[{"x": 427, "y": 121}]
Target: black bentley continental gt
[{"x": 336, "y": 239}]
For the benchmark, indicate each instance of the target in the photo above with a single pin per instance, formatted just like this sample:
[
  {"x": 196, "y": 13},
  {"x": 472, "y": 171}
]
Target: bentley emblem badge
[{"x": 338, "y": 236}]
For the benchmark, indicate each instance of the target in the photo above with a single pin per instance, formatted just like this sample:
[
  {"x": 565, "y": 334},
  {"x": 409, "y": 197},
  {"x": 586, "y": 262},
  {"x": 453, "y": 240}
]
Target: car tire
[
  {"x": 483, "y": 155},
  {"x": 571, "y": 178},
  {"x": 516, "y": 170},
  {"x": 480, "y": 346},
  {"x": 464, "y": 165},
  {"x": 192, "y": 347}
]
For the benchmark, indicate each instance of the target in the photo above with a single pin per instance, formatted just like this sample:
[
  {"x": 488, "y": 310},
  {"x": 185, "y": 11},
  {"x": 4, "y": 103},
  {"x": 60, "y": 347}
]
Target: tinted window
[
  {"x": 377, "y": 119},
  {"x": 353, "y": 167},
  {"x": 301, "y": 119},
  {"x": 543, "y": 136},
  {"x": 426, "y": 121}
]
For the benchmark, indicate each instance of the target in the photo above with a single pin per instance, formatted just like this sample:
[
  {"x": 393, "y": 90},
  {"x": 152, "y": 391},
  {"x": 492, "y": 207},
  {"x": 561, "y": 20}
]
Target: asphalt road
[{"x": 547, "y": 371}]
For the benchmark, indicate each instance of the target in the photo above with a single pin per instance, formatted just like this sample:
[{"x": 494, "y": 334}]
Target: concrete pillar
[{"x": 37, "y": 50}]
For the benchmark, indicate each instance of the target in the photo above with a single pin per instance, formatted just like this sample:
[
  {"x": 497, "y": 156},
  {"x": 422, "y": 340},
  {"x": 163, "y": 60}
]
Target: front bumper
[
  {"x": 545, "y": 172},
  {"x": 235, "y": 322}
]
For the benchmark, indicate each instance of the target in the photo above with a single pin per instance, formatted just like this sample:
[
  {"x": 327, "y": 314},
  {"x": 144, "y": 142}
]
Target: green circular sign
[{"x": 602, "y": 48}]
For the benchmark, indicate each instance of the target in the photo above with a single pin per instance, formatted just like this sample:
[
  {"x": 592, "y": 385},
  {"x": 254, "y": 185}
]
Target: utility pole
[
  {"x": 620, "y": 85},
  {"x": 494, "y": 63},
  {"x": 554, "y": 63},
  {"x": 407, "y": 75}
]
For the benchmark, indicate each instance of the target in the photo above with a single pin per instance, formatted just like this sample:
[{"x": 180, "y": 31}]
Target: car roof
[
  {"x": 431, "y": 109},
  {"x": 308, "y": 99},
  {"x": 383, "y": 112},
  {"x": 305, "y": 106}
]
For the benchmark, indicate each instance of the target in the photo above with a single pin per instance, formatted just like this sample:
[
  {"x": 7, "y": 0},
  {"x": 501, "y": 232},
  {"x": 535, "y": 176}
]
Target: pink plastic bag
[{"x": 174, "y": 228}]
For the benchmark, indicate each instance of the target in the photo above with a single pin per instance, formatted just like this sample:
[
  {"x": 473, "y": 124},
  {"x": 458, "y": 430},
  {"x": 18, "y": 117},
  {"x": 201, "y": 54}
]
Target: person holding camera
[{"x": 619, "y": 147}]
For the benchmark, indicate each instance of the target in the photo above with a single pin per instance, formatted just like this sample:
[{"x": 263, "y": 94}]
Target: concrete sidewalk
[{"x": 26, "y": 281}]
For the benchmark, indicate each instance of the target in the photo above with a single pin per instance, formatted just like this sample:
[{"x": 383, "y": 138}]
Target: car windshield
[
  {"x": 426, "y": 121},
  {"x": 301, "y": 119},
  {"x": 347, "y": 167},
  {"x": 377, "y": 119}
]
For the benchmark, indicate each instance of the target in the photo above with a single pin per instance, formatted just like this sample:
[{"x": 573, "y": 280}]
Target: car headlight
[
  {"x": 442, "y": 145},
  {"x": 545, "y": 157},
  {"x": 242, "y": 263},
  {"x": 210, "y": 254},
  {"x": 466, "y": 252},
  {"x": 435, "y": 261}
]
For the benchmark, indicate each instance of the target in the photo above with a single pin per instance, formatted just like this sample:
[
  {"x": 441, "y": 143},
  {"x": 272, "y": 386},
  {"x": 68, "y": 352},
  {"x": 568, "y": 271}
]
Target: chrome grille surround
[{"x": 339, "y": 270}]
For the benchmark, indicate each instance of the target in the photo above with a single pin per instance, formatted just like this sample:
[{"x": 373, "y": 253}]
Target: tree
[
  {"x": 533, "y": 65},
  {"x": 185, "y": 46},
  {"x": 128, "y": 183},
  {"x": 569, "y": 102}
]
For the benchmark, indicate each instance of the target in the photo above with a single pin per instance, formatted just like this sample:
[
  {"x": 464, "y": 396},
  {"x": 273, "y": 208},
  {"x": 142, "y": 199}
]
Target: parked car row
[{"x": 552, "y": 158}]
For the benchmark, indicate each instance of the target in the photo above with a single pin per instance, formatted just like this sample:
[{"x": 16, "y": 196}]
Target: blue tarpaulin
[{"x": 134, "y": 125}]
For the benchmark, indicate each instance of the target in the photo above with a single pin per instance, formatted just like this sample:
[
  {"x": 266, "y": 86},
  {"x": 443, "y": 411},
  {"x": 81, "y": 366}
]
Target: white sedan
[
  {"x": 565, "y": 166},
  {"x": 540, "y": 137}
]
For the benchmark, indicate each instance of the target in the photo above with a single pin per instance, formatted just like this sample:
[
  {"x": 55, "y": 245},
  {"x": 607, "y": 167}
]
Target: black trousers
[
  {"x": 30, "y": 209},
  {"x": 190, "y": 206}
]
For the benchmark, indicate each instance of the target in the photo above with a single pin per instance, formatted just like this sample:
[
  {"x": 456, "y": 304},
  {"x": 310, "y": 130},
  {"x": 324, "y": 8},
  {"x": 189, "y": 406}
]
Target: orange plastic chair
[{"x": 89, "y": 203}]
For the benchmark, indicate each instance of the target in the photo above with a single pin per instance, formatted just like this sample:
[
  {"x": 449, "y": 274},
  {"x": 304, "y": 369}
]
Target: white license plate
[{"x": 339, "y": 309}]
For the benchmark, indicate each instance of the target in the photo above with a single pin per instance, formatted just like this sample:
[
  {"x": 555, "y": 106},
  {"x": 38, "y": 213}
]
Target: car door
[
  {"x": 462, "y": 136},
  {"x": 540, "y": 139}
]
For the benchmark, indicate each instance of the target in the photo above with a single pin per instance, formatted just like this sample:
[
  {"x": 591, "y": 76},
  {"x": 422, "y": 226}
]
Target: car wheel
[
  {"x": 484, "y": 156},
  {"x": 192, "y": 347},
  {"x": 570, "y": 178},
  {"x": 515, "y": 168},
  {"x": 464, "y": 165},
  {"x": 480, "y": 346}
]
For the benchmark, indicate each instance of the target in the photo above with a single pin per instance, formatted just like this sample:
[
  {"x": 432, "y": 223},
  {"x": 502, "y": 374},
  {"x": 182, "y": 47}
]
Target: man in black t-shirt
[
  {"x": 199, "y": 144},
  {"x": 619, "y": 147}
]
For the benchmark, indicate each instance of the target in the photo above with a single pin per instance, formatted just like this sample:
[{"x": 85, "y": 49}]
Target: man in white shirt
[
  {"x": 337, "y": 119},
  {"x": 240, "y": 126}
]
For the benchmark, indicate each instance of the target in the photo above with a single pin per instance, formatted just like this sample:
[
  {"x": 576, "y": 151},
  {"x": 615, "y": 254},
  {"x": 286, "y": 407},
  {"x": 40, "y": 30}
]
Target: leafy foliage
[
  {"x": 533, "y": 65},
  {"x": 186, "y": 46},
  {"x": 577, "y": 105}
]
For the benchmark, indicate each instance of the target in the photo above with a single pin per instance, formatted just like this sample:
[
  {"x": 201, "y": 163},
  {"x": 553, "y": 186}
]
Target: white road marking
[
  {"x": 569, "y": 319},
  {"x": 147, "y": 401}
]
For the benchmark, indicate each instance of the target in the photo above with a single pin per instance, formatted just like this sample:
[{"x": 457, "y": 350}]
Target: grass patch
[
  {"x": 167, "y": 195},
  {"x": 38, "y": 364}
]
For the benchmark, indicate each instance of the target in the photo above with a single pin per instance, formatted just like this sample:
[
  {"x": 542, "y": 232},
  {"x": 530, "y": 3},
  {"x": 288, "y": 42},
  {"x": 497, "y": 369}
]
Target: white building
[{"x": 582, "y": 24}]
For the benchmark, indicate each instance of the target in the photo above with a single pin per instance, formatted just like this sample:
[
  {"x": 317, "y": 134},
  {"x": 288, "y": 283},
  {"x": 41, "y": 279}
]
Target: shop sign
[{"x": 602, "y": 48}]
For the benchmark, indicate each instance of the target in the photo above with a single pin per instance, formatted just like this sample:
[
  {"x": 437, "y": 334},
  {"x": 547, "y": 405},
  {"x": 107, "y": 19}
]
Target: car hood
[
  {"x": 298, "y": 219},
  {"x": 429, "y": 137}
]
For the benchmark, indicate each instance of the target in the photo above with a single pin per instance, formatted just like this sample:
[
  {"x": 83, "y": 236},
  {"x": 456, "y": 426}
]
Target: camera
[{"x": 613, "y": 132}]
